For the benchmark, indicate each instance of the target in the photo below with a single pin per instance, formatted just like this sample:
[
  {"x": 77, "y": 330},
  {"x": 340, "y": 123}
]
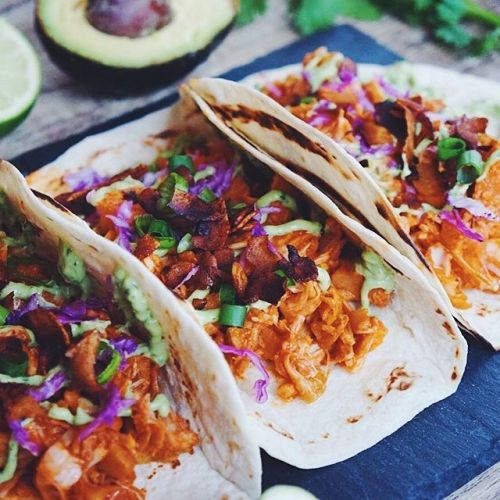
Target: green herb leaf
[
  {"x": 207, "y": 195},
  {"x": 359, "y": 9},
  {"x": 310, "y": 16},
  {"x": 249, "y": 10}
]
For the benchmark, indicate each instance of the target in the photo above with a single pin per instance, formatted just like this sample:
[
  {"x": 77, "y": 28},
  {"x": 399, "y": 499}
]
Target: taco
[
  {"x": 101, "y": 394},
  {"x": 317, "y": 315},
  {"x": 418, "y": 172}
]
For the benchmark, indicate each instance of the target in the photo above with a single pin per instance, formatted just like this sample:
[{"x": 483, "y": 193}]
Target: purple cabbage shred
[
  {"x": 260, "y": 385},
  {"x": 50, "y": 387},
  {"x": 20, "y": 434},
  {"x": 85, "y": 178},
  {"x": 122, "y": 221}
]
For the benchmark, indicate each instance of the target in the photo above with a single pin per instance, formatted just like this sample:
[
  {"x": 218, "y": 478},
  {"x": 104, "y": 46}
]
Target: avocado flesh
[{"x": 193, "y": 26}]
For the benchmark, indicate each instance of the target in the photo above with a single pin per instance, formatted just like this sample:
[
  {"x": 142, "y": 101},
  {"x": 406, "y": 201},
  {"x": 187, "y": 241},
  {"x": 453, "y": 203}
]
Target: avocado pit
[{"x": 129, "y": 18}]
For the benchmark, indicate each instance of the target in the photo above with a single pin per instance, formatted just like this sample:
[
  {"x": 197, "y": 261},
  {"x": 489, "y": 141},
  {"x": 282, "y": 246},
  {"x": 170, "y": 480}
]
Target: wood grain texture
[{"x": 67, "y": 107}]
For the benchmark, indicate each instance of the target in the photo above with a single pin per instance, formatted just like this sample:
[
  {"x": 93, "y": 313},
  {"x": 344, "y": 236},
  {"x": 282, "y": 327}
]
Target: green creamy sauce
[
  {"x": 285, "y": 199},
  {"x": 73, "y": 269},
  {"x": 134, "y": 303},
  {"x": 11, "y": 463},
  {"x": 78, "y": 329},
  {"x": 319, "y": 73},
  {"x": 208, "y": 316},
  {"x": 81, "y": 417},
  {"x": 34, "y": 380},
  {"x": 294, "y": 225},
  {"x": 24, "y": 291},
  {"x": 96, "y": 196},
  {"x": 377, "y": 274}
]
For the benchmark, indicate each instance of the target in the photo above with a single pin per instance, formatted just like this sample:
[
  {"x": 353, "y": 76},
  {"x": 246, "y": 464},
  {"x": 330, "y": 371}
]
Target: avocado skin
[{"x": 125, "y": 81}]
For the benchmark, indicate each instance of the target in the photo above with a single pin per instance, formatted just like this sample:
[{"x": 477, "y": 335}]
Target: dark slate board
[{"x": 442, "y": 448}]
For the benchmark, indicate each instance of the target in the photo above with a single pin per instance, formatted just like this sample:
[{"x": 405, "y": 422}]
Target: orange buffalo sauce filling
[{"x": 371, "y": 114}]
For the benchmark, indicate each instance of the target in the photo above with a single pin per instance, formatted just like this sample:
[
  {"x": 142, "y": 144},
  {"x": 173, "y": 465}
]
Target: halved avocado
[{"x": 117, "y": 62}]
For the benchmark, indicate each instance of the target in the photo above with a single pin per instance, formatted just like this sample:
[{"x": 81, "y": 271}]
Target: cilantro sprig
[{"x": 444, "y": 19}]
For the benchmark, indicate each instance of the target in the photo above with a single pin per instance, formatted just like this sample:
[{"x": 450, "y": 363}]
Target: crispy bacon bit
[
  {"x": 146, "y": 245},
  {"x": 429, "y": 184},
  {"x": 264, "y": 285},
  {"x": 414, "y": 113},
  {"x": 48, "y": 329},
  {"x": 16, "y": 339},
  {"x": 174, "y": 275},
  {"x": 469, "y": 128},
  {"x": 83, "y": 358},
  {"x": 259, "y": 255},
  {"x": 298, "y": 268}
]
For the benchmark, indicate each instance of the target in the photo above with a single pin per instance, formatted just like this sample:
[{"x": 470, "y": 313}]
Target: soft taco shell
[
  {"x": 316, "y": 157},
  {"x": 199, "y": 381},
  {"x": 420, "y": 362}
]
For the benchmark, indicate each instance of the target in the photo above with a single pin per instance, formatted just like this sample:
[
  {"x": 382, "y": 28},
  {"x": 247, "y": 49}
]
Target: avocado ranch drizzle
[
  {"x": 79, "y": 372},
  {"x": 274, "y": 281}
]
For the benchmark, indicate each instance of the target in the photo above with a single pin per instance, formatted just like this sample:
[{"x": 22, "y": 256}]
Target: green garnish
[
  {"x": 470, "y": 166},
  {"x": 377, "y": 274},
  {"x": 4, "y": 312},
  {"x": 207, "y": 195},
  {"x": 275, "y": 195},
  {"x": 294, "y": 225},
  {"x": 307, "y": 100},
  {"x": 73, "y": 269},
  {"x": 203, "y": 174},
  {"x": 158, "y": 228},
  {"x": 178, "y": 161},
  {"x": 450, "y": 147},
  {"x": 282, "y": 274},
  {"x": 112, "y": 367},
  {"x": 10, "y": 466},
  {"x": 232, "y": 315},
  {"x": 227, "y": 294},
  {"x": 185, "y": 243},
  {"x": 167, "y": 188},
  {"x": 13, "y": 369}
]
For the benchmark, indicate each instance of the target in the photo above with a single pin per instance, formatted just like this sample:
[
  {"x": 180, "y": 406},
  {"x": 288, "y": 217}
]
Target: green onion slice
[
  {"x": 470, "y": 166},
  {"x": 167, "y": 242},
  {"x": 112, "y": 366},
  {"x": 207, "y": 195},
  {"x": 185, "y": 243},
  {"x": 232, "y": 315},
  {"x": 4, "y": 312},
  {"x": 181, "y": 161},
  {"x": 227, "y": 294},
  {"x": 450, "y": 147}
]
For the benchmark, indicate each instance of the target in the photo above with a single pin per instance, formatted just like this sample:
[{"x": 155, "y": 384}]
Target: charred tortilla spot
[
  {"x": 449, "y": 330},
  {"x": 283, "y": 433},
  {"x": 457, "y": 352},
  {"x": 326, "y": 435},
  {"x": 166, "y": 134},
  {"x": 270, "y": 122},
  {"x": 355, "y": 419},
  {"x": 454, "y": 373},
  {"x": 399, "y": 379},
  {"x": 50, "y": 200}
]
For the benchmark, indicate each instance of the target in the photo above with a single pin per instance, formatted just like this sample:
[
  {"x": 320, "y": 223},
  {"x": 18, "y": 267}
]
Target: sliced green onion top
[
  {"x": 167, "y": 242},
  {"x": 112, "y": 366},
  {"x": 307, "y": 100},
  {"x": 142, "y": 223},
  {"x": 160, "y": 229},
  {"x": 4, "y": 312},
  {"x": 232, "y": 315},
  {"x": 203, "y": 174},
  {"x": 167, "y": 188},
  {"x": 470, "y": 166},
  {"x": 185, "y": 243},
  {"x": 450, "y": 147},
  {"x": 227, "y": 294},
  {"x": 181, "y": 161},
  {"x": 282, "y": 274},
  {"x": 207, "y": 195}
]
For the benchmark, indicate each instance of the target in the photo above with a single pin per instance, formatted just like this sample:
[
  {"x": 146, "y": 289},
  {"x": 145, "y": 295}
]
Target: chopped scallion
[{"x": 232, "y": 315}]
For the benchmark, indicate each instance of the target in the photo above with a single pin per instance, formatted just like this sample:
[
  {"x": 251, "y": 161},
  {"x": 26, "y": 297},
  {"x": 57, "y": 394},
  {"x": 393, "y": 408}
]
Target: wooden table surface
[{"x": 66, "y": 107}]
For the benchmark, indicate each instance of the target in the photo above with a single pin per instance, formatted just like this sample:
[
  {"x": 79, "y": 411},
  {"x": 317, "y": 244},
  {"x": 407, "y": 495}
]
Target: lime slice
[{"x": 20, "y": 77}]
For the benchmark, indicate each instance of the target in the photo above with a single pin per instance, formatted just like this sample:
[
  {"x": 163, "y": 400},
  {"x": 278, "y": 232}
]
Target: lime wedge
[{"x": 20, "y": 77}]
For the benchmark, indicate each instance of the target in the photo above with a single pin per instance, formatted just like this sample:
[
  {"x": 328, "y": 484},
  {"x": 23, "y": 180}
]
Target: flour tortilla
[
  {"x": 200, "y": 385},
  {"x": 421, "y": 361},
  {"x": 307, "y": 151}
]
